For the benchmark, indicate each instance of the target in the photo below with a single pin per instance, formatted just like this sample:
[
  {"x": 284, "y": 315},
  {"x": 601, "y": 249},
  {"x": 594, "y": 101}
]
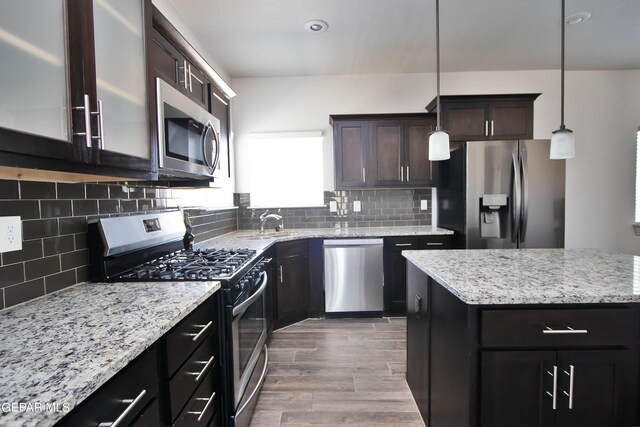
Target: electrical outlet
[
  {"x": 424, "y": 205},
  {"x": 333, "y": 206},
  {"x": 10, "y": 234},
  {"x": 357, "y": 206}
]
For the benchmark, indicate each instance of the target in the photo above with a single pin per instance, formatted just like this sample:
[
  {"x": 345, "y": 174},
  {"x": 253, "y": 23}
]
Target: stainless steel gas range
[{"x": 150, "y": 247}]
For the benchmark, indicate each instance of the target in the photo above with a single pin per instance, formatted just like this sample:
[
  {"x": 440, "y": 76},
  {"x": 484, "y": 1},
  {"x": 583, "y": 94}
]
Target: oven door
[
  {"x": 188, "y": 136},
  {"x": 249, "y": 334}
]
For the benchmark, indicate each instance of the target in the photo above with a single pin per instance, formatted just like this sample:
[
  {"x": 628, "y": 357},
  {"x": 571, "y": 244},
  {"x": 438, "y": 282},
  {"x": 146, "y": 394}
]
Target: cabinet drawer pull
[
  {"x": 435, "y": 244},
  {"x": 280, "y": 274},
  {"x": 570, "y": 394},
  {"x": 132, "y": 404},
  {"x": 569, "y": 330},
  {"x": 201, "y": 413},
  {"x": 204, "y": 370},
  {"x": 202, "y": 331},
  {"x": 553, "y": 395},
  {"x": 404, "y": 244}
]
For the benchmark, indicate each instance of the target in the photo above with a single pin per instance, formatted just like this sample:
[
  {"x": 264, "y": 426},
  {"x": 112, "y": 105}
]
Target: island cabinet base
[{"x": 541, "y": 365}]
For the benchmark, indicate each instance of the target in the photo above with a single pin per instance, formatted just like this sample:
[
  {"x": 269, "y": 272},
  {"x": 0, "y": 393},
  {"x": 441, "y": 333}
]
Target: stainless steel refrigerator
[{"x": 512, "y": 195}]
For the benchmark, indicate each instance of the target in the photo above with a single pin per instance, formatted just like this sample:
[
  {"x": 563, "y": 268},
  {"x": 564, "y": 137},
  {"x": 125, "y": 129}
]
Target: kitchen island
[{"x": 539, "y": 337}]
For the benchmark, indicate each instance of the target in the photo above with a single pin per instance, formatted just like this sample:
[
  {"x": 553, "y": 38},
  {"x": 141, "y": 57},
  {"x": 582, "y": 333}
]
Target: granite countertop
[
  {"x": 64, "y": 346},
  {"x": 533, "y": 276},
  {"x": 253, "y": 240}
]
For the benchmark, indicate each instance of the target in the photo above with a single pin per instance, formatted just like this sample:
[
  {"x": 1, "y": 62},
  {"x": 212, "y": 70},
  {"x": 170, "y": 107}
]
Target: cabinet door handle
[
  {"x": 205, "y": 369},
  {"x": 402, "y": 173},
  {"x": 280, "y": 274},
  {"x": 190, "y": 81},
  {"x": 417, "y": 306},
  {"x": 197, "y": 336},
  {"x": 553, "y": 395},
  {"x": 486, "y": 128},
  {"x": 435, "y": 244},
  {"x": 407, "y": 173},
  {"x": 132, "y": 404},
  {"x": 204, "y": 410},
  {"x": 404, "y": 244},
  {"x": 87, "y": 120},
  {"x": 569, "y": 330},
  {"x": 570, "y": 394},
  {"x": 185, "y": 72},
  {"x": 364, "y": 175},
  {"x": 491, "y": 127},
  {"x": 100, "y": 125}
]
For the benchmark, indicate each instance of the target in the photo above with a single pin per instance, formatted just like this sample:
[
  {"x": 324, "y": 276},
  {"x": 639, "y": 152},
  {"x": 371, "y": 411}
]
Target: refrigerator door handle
[
  {"x": 525, "y": 193},
  {"x": 516, "y": 207}
]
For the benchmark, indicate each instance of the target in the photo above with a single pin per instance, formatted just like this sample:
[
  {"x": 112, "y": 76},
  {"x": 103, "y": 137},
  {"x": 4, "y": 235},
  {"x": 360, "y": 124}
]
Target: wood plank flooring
[{"x": 332, "y": 372}]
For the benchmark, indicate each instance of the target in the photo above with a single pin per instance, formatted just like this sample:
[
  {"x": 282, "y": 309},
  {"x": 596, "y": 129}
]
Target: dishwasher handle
[{"x": 352, "y": 242}]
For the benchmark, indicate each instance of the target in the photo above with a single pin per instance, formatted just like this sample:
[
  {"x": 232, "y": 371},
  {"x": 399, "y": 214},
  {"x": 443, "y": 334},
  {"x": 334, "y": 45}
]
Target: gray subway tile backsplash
[
  {"x": 379, "y": 208},
  {"x": 54, "y": 254}
]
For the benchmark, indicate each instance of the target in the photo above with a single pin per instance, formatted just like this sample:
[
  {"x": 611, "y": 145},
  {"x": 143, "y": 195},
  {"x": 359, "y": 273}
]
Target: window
[{"x": 286, "y": 169}]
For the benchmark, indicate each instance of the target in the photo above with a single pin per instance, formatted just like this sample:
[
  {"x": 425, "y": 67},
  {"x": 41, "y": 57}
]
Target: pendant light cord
[
  {"x": 562, "y": 69},
  {"x": 438, "y": 63}
]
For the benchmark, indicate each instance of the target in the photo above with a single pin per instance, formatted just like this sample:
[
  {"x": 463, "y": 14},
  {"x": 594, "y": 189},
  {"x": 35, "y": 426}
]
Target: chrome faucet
[{"x": 266, "y": 216}]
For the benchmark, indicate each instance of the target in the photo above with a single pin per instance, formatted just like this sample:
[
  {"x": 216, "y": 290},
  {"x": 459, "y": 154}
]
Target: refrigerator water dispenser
[{"x": 493, "y": 215}]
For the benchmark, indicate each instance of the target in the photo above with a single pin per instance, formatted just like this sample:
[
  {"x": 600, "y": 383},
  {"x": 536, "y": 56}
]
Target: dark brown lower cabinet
[
  {"x": 490, "y": 366},
  {"x": 592, "y": 388},
  {"x": 292, "y": 282},
  {"x": 418, "y": 339},
  {"x": 395, "y": 268}
]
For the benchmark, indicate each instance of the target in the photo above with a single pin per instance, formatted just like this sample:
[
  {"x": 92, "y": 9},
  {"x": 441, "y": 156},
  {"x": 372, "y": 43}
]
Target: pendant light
[
  {"x": 438, "y": 140},
  {"x": 563, "y": 143}
]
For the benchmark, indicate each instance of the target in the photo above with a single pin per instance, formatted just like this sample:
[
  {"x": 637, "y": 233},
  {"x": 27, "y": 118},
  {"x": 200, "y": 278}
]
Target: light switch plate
[
  {"x": 333, "y": 206},
  {"x": 357, "y": 206},
  {"x": 10, "y": 234},
  {"x": 424, "y": 205}
]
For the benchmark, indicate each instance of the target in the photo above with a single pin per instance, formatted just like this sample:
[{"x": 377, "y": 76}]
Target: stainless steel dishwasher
[{"x": 353, "y": 277}]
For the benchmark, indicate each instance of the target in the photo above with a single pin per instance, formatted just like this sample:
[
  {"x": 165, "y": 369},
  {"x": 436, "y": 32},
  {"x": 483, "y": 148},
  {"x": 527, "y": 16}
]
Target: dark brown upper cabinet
[
  {"x": 487, "y": 117},
  {"x": 382, "y": 150},
  {"x": 173, "y": 67},
  {"x": 351, "y": 140},
  {"x": 82, "y": 105}
]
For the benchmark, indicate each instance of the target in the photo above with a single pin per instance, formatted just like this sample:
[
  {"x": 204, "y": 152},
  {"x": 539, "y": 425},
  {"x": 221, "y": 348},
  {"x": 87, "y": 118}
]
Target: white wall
[{"x": 600, "y": 181}]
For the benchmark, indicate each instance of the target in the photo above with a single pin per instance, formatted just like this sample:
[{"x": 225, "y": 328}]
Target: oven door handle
[{"x": 241, "y": 308}]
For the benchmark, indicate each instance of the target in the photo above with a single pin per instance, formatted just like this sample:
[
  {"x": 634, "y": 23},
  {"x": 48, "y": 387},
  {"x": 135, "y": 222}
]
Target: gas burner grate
[{"x": 198, "y": 264}]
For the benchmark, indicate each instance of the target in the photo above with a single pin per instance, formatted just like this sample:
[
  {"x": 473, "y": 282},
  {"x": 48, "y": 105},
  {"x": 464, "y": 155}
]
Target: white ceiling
[{"x": 259, "y": 38}]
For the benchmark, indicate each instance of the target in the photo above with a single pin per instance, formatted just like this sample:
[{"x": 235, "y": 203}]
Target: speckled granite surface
[
  {"x": 64, "y": 346},
  {"x": 533, "y": 276},
  {"x": 253, "y": 240}
]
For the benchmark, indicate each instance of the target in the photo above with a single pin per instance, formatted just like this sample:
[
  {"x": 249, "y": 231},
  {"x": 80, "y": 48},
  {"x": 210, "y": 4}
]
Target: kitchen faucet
[{"x": 266, "y": 216}]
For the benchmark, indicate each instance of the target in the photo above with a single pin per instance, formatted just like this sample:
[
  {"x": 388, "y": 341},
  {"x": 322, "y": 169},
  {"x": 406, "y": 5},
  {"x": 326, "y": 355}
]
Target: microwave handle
[{"x": 212, "y": 165}]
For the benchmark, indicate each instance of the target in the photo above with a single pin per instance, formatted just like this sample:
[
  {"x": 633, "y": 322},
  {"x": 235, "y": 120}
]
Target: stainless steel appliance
[
  {"x": 149, "y": 247},
  {"x": 511, "y": 193},
  {"x": 188, "y": 135},
  {"x": 353, "y": 277}
]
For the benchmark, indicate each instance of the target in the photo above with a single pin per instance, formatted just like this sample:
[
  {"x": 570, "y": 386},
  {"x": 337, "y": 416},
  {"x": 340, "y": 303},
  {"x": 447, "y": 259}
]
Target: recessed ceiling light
[
  {"x": 577, "y": 18},
  {"x": 316, "y": 26}
]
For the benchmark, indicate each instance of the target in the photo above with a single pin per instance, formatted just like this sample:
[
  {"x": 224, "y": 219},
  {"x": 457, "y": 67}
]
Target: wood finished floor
[{"x": 337, "y": 372}]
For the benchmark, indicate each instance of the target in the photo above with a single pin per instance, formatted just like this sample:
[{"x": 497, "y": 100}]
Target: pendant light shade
[
  {"x": 563, "y": 142},
  {"x": 438, "y": 140},
  {"x": 439, "y": 146}
]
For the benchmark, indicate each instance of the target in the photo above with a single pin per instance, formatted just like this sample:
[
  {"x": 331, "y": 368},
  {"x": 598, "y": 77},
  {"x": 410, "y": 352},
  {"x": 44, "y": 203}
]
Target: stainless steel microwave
[{"x": 188, "y": 135}]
